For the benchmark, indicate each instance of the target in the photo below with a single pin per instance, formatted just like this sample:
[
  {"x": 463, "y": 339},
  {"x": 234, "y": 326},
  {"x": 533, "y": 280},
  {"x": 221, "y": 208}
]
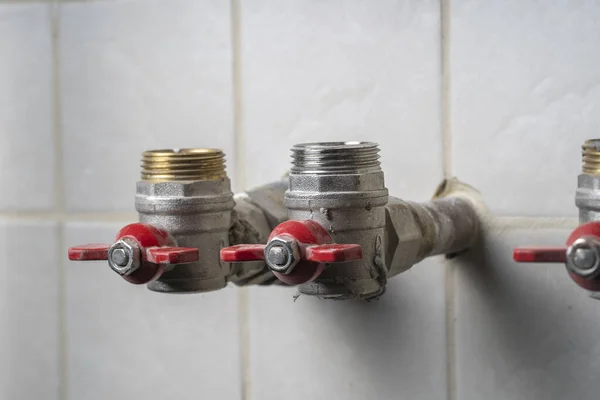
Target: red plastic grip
[
  {"x": 334, "y": 253},
  {"x": 89, "y": 252},
  {"x": 243, "y": 252},
  {"x": 540, "y": 255}
]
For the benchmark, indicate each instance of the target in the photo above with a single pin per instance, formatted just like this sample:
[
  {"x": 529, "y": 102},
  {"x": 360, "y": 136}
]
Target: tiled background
[{"x": 500, "y": 94}]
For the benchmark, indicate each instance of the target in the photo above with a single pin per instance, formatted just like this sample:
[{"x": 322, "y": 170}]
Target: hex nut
[
  {"x": 128, "y": 264},
  {"x": 182, "y": 189},
  {"x": 291, "y": 254}
]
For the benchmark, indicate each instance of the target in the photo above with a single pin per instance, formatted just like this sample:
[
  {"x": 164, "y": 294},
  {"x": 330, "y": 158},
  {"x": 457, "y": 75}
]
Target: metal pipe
[{"x": 448, "y": 224}]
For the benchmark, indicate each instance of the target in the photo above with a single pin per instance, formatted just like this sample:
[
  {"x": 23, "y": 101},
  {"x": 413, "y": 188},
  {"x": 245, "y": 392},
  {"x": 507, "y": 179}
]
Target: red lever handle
[
  {"x": 89, "y": 252},
  {"x": 172, "y": 255},
  {"x": 243, "y": 252},
  {"x": 324, "y": 253},
  {"x": 298, "y": 251},
  {"x": 140, "y": 253},
  {"x": 540, "y": 255},
  {"x": 334, "y": 253}
]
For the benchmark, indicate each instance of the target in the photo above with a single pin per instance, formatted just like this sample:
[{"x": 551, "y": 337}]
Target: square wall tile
[
  {"x": 140, "y": 75},
  {"x": 525, "y": 93},
  {"x": 523, "y": 331},
  {"x": 29, "y": 310},
  {"x": 125, "y": 342},
  {"x": 337, "y": 70},
  {"x": 26, "y": 108},
  {"x": 392, "y": 348}
]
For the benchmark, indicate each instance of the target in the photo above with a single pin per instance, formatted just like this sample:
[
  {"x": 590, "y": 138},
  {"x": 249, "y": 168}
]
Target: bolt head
[
  {"x": 278, "y": 255},
  {"x": 124, "y": 256},
  {"x": 583, "y": 258},
  {"x": 120, "y": 257},
  {"x": 282, "y": 254}
]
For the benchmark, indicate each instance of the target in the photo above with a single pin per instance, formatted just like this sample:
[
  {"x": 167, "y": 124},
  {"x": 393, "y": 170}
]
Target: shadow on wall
[
  {"x": 529, "y": 327},
  {"x": 365, "y": 348}
]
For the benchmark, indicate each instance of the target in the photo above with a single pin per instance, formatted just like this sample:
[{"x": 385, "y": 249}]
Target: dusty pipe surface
[{"x": 448, "y": 224}]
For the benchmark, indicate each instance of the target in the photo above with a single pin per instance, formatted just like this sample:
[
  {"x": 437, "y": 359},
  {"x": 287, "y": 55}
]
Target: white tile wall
[
  {"x": 134, "y": 75},
  {"x": 138, "y": 75},
  {"x": 126, "y": 342},
  {"x": 523, "y": 331},
  {"x": 525, "y": 91},
  {"x": 344, "y": 70},
  {"x": 392, "y": 348},
  {"x": 29, "y": 310},
  {"x": 26, "y": 108}
]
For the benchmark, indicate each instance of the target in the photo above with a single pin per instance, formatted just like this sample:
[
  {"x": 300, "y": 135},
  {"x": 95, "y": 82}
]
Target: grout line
[
  {"x": 446, "y": 86},
  {"x": 449, "y": 284},
  {"x": 495, "y": 222},
  {"x": 533, "y": 222},
  {"x": 59, "y": 200},
  {"x": 107, "y": 216},
  {"x": 238, "y": 121},
  {"x": 240, "y": 179},
  {"x": 25, "y": 1},
  {"x": 449, "y": 281}
]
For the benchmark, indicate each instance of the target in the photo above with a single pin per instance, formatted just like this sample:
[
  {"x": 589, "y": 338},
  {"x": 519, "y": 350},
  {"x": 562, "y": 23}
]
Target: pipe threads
[
  {"x": 335, "y": 158},
  {"x": 591, "y": 157},
  {"x": 183, "y": 165}
]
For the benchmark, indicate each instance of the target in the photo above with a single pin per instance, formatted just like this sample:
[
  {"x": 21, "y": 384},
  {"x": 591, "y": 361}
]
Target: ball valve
[
  {"x": 296, "y": 252},
  {"x": 581, "y": 255},
  {"x": 346, "y": 237}
]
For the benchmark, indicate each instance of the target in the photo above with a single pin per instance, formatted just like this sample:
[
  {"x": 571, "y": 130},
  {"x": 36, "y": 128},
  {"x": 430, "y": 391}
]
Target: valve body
[
  {"x": 341, "y": 186},
  {"x": 188, "y": 194},
  {"x": 196, "y": 214}
]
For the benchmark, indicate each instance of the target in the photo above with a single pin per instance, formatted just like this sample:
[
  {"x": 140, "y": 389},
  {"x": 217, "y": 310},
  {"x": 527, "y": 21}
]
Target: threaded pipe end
[
  {"x": 327, "y": 158},
  {"x": 183, "y": 165},
  {"x": 591, "y": 157}
]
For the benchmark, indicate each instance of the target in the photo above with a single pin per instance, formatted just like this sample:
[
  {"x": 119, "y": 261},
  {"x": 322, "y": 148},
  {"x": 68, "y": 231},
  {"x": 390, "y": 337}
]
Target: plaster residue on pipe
[{"x": 447, "y": 224}]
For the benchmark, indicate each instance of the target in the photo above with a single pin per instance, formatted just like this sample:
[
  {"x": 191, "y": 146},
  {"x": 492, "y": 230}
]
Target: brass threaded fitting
[
  {"x": 591, "y": 157},
  {"x": 183, "y": 165}
]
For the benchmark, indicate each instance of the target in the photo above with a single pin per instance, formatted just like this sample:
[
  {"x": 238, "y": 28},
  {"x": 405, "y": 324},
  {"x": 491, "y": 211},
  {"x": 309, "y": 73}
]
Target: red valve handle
[
  {"x": 590, "y": 230},
  {"x": 540, "y": 255},
  {"x": 243, "y": 252},
  {"x": 314, "y": 245},
  {"x": 156, "y": 250},
  {"x": 321, "y": 253},
  {"x": 89, "y": 252}
]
